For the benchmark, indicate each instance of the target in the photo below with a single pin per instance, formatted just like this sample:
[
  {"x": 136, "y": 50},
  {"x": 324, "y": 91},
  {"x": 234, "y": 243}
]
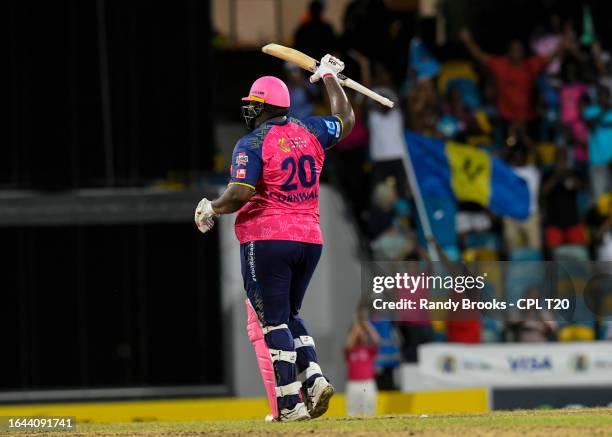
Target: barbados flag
[{"x": 468, "y": 174}]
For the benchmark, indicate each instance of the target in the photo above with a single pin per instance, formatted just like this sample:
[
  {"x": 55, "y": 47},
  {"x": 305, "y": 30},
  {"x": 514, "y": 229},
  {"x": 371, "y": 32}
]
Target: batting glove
[
  {"x": 204, "y": 215},
  {"x": 329, "y": 66}
]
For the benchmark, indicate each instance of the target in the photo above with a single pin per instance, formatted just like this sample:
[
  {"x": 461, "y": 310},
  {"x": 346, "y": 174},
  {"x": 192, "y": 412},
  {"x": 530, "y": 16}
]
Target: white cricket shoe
[
  {"x": 299, "y": 412},
  {"x": 318, "y": 396}
]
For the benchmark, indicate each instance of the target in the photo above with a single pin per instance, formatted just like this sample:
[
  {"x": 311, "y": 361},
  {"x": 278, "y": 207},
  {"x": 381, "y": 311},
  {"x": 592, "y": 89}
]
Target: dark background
[
  {"x": 116, "y": 305},
  {"x": 120, "y": 94},
  {"x": 159, "y": 92}
]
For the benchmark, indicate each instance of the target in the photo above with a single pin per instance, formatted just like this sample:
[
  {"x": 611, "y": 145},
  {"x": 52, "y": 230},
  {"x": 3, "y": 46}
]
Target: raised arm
[
  {"x": 374, "y": 337},
  {"x": 340, "y": 106},
  {"x": 475, "y": 51},
  {"x": 354, "y": 334},
  {"x": 567, "y": 43}
]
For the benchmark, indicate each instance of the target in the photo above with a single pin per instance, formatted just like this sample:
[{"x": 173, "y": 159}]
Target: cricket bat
[{"x": 310, "y": 64}]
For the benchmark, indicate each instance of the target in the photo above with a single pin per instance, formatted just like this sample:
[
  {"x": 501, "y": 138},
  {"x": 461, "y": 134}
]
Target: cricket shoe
[
  {"x": 318, "y": 396},
  {"x": 297, "y": 413}
]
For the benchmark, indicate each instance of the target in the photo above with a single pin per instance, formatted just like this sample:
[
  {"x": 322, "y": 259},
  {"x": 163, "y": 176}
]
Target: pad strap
[
  {"x": 267, "y": 329},
  {"x": 312, "y": 369},
  {"x": 289, "y": 389},
  {"x": 303, "y": 340},
  {"x": 279, "y": 355}
]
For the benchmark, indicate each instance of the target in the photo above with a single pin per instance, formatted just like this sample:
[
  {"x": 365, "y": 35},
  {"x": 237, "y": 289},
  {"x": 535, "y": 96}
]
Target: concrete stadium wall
[
  {"x": 328, "y": 307},
  {"x": 273, "y": 23}
]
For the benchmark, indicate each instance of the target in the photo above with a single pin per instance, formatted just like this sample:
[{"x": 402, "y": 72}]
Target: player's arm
[
  {"x": 233, "y": 198},
  {"x": 340, "y": 106},
  {"x": 245, "y": 172},
  {"x": 475, "y": 50}
]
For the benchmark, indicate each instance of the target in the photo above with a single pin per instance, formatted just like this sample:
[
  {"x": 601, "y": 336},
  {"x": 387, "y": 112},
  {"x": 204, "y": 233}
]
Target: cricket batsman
[{"x": 274, "y": 186}]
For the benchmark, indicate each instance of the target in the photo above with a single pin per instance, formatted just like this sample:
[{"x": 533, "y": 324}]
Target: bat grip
[{"x": 350, "y": 83}]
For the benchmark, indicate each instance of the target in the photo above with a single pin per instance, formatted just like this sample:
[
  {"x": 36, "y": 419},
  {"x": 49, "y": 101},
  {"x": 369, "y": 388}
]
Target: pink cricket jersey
[{"x": 282, "y": 161}]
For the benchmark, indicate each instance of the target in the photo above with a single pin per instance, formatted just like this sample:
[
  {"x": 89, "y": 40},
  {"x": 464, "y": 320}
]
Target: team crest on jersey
[
  {"x": 282, "y": 144},
  {"x": 242, "y": 158}
]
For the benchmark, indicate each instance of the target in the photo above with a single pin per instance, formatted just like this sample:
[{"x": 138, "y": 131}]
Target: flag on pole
[{"x": 467, "y": 174}]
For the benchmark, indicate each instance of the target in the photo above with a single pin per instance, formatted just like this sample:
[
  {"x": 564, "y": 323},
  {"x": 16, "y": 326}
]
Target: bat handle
[{"x": 350, "y": 83}]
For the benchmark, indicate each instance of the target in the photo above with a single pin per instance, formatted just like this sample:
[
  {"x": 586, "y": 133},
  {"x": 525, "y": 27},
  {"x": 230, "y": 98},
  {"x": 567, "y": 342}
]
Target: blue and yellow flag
[{"x": 467, "y": 174}]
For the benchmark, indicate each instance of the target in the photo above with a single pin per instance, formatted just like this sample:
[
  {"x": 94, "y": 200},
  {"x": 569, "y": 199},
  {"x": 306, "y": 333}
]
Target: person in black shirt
[
  {"x": 315, "y": 37},
  {"x": 559, "y": 193}
]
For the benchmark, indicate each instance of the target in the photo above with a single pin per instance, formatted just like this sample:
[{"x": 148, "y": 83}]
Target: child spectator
[{"x": 360, "y": 351}]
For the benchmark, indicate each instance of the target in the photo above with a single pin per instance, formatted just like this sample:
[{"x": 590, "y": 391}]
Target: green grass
[{"x": 525, "y": 422}]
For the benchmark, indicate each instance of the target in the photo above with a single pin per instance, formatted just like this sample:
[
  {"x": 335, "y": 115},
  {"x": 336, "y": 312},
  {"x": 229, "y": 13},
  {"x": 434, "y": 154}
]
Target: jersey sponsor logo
[
  {"x": 292, "y": 143},
  {"x": 333, "y": 128},
  {"x": 242, "y": 158},
  {"x": 241, "y": 173}
]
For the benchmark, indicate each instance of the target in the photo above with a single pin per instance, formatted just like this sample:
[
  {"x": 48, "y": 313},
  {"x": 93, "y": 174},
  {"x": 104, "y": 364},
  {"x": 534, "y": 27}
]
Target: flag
[{"x": 467, "y": 174}]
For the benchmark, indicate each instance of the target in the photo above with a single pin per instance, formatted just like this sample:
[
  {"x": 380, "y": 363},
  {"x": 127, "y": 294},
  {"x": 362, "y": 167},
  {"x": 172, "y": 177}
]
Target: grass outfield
[{"x": 516, "y": 423}]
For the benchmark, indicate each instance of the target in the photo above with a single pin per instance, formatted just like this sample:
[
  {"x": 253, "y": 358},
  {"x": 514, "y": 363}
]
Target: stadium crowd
[{"x": 544, "y": 107}]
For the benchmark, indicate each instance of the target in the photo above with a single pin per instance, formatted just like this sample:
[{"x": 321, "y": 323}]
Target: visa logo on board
[{"x": 529, "y": 364}]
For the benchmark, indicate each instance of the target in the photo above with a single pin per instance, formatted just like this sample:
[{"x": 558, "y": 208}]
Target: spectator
[
  {"x": 414, "y": 326},
  {"x": 600, "y": 221},
  {"x": 560, "y": 188},
  {"x": 387, "y": 143},
  {"x": 571, "y": 93},
  {"x": 388, "y": 224},
  {"x": 546, "y": 41},
  {"x": 471, "y": 217},
  {"x": 360, "y": 350},
  {"x": 362, "y": 20},
  {"x": 315, "y": 37},
  {"x": 458, "y": 115},
  {"x": 301, "y": 92},
  {"x": 515, "y": 76},
  {"x": 347, "y": 163},
  {"x": 462, "y": 326},
  {"x": 525, "y": 233},
  {"x": 532, "y": 325},
  {"x": 388, "y": 358},
  {"x": 423, "y": 107},
  {"x": 599, "y": 119}
]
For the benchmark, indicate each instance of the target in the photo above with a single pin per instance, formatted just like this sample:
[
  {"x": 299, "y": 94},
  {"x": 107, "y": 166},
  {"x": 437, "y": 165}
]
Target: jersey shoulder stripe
[{"x": 303, "y": 125}]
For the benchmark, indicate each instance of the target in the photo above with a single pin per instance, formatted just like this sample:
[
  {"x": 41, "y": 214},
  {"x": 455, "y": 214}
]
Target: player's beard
[{"x": 250, "y": 113}]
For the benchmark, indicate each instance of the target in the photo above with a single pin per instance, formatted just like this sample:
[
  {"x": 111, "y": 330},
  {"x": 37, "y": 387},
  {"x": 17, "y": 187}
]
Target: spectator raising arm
[
  {"x": 371, "y": 332},
  {"x": 475, "y": 51},
  {"x": 353, "y": 337},
  {"x": 567, "y": 43}
]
